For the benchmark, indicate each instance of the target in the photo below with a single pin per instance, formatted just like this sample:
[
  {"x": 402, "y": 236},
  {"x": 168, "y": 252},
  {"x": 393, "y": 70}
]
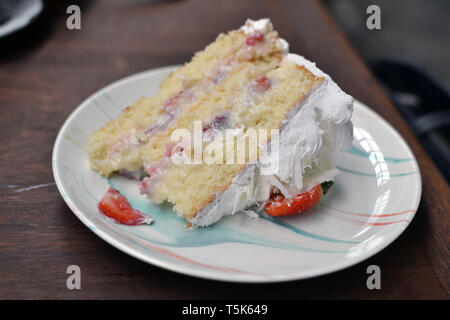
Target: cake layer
[
  {"x": 260, "y": 104},
  {"x": 150, "y": 121},
  {"x": 161, "y": 146}
]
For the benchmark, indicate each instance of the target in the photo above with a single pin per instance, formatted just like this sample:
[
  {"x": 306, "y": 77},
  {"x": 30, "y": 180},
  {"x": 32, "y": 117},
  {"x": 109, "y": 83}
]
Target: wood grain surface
[{"x": 47, "y": 70}]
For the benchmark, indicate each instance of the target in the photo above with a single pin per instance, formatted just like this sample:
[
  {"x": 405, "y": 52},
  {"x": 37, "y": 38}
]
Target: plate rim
[{"x": 202, "y": 273}]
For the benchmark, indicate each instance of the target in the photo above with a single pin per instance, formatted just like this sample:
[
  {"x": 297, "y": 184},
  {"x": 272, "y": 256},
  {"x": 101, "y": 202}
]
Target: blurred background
[
  {"x": 409, "y": 55},
  {"x": 413, "y": 31}
]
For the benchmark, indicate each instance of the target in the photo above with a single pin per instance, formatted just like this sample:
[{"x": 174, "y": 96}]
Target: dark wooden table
[{"x": 47, "y": 70}]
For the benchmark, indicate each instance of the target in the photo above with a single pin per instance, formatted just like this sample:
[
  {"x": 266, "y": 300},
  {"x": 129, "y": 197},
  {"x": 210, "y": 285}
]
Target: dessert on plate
[{"x": 244, "y": 123}]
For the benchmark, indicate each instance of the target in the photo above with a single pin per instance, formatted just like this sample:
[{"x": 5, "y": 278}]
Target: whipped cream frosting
[
  {"x": 316, "y": 130},
  {"x": 261, "y": 25}
]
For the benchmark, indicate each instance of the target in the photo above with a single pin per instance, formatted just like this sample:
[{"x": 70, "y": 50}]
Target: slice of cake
[
  {"x": 232, "y": 60},
  {"x": 243, "y": 123}
]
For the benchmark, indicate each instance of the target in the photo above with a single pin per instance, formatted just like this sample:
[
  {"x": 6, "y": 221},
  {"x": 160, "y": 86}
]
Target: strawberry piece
[
  {"x": 218, "y": 123},
  {"x": 115, "y": 206},
  {"x": 255, "y": 38},
  {"x": 280, "y": 206},
  {"x": 177, "y": 149},
  {"x": 264, "y": 83},
  {"x": 169, "y": 104}
]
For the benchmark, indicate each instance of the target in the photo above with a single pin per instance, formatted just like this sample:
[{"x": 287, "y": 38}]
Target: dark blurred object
[
  {"x": 6, "y": 10},
  {"x": 17, "y": 14},
  {"x": 424, "y": 104}
]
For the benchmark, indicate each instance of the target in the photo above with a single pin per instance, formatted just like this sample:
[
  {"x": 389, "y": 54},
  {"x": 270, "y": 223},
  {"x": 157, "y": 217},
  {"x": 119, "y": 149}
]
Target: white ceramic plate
[{"x": 373, "y": 200}]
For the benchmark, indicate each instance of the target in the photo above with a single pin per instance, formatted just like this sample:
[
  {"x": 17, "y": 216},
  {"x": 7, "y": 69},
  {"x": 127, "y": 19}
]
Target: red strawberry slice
[
  {"x": 115, "y": 206},
  {"x": 280, "y": 206},
  {"x": 255, "y": 38},
  {"x": 264, "y": 83}
]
